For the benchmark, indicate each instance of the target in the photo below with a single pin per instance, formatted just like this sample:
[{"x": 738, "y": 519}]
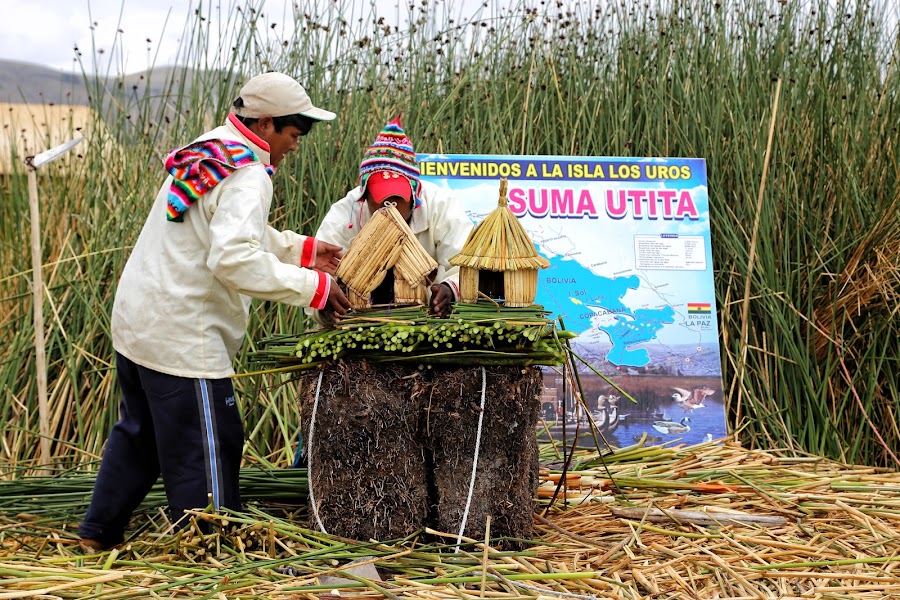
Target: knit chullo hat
[{"x": 392, "y": 152}]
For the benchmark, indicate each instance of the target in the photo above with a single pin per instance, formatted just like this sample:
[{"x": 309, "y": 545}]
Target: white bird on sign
[
  {"x": 689, "y": 400},
  {"x": 673, "y": 427},
  {"x": 681, "y": 395}
]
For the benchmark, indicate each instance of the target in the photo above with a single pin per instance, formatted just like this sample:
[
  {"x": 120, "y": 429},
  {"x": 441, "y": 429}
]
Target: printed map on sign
[{"x": 630, "y": 272}]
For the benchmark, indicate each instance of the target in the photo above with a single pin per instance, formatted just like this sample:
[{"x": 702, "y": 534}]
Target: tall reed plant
[{"x": 803, "y": 185}]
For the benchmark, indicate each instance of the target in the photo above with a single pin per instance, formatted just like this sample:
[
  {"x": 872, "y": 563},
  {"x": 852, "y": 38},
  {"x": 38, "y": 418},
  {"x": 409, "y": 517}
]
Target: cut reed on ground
[{"x": 706, "y": 521}]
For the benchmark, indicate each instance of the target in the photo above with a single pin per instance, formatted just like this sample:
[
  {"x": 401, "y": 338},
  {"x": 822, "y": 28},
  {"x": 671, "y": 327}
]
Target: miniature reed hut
[
  {"x": 386, "y": 242},
  {"x": 499, "y": 259}
]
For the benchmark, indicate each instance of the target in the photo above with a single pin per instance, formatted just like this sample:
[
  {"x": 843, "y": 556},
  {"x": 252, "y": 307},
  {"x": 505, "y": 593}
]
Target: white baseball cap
[{"x": 277, "y": 95}]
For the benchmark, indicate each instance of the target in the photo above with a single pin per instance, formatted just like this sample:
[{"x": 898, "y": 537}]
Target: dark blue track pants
[{"x": 188, "y": 430}]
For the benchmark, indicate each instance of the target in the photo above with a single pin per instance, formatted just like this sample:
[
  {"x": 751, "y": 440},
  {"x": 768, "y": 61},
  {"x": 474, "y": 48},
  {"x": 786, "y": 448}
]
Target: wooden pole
[
  {"x": 37, "y": 287},
  {"x": 40, "y": 351}
]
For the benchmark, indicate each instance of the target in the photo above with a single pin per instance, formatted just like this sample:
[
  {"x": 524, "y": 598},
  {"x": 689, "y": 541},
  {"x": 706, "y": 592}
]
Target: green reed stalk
[{"x": 651, "y": 79}]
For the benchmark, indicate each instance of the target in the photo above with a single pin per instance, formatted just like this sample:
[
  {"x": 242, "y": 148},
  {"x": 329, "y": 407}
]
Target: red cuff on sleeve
[
  {"x": 455, "y": 289},
  {"x": 308, "y": 254},
  {"x": 320, "y": 298}
]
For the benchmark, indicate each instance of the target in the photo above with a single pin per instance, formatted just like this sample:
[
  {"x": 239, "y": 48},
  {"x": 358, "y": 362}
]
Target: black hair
[{"x": 301, "y": 122}]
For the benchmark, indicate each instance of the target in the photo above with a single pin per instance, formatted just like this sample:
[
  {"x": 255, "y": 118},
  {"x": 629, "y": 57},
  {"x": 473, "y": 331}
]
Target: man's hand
[
  {"x": 441, "y": 299},
  {"x": 328, "y": 257},
  {"x": 429, "y": 279},
  {"x": 337, "y": 301}
]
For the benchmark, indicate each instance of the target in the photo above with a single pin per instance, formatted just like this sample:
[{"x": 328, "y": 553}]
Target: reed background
[{"x": 807, "y": 271}]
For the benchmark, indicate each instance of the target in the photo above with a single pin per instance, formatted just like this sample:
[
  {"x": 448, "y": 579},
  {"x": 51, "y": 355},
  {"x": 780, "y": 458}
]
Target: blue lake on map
[
  {"x": 575, "y": 293},
  {"x": 566, "y": 279}
]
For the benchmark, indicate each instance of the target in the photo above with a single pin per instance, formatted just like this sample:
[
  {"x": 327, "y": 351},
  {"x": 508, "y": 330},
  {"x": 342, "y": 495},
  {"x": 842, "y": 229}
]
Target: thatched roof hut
[
  {"x": 499, "y": 259},
  {"x": 386, "y": 242}
]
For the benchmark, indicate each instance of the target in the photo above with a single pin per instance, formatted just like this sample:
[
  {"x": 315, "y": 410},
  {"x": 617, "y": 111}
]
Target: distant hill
[{"x": 22, "y": 82}]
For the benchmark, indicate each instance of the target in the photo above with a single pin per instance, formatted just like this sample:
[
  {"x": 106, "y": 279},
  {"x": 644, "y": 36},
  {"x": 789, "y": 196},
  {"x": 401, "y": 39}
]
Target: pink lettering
[
  {"x": 616, "y": 204},
  {"x": 686, "y": 207}
]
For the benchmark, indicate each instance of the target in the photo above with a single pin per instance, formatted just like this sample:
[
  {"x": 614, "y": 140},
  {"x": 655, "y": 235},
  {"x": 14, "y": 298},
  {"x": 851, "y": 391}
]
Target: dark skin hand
[
  {"x": 441, "y": 299},
  {"x": 337, "y": 302},
  {"x": 328, "y": 257}
]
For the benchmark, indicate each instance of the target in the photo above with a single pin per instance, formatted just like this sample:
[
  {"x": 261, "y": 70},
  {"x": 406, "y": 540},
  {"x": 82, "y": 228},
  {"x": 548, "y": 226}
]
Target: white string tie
[{"x": 465, "y": 517}]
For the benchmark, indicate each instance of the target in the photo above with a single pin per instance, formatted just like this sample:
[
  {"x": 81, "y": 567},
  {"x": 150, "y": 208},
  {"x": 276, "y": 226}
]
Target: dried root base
[{"x": 392, "y": 448}]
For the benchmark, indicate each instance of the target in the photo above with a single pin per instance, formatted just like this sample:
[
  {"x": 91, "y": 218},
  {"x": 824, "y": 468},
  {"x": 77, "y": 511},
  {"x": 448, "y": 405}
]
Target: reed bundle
[
  {"x": 483, "y": 333},
  {"x": 739, "y": 524}
]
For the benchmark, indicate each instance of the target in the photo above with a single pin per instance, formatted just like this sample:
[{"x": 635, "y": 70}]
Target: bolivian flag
[{"x": 699, "y": 308}]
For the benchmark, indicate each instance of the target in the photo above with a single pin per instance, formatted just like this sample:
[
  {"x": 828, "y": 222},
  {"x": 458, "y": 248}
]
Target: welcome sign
[{"x": 630, "y": 272}]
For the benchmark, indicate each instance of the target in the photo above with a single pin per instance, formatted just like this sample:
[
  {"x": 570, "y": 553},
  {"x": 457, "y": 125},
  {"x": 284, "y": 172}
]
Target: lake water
[{"x": 707, "y": 420}]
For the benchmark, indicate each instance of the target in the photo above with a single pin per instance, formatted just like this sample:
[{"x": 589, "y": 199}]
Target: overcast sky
[{"x": 46, "y": 31}]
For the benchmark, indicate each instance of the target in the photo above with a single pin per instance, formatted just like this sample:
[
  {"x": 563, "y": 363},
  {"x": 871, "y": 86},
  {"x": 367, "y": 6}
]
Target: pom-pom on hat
[{"x": 392, "y": 152}]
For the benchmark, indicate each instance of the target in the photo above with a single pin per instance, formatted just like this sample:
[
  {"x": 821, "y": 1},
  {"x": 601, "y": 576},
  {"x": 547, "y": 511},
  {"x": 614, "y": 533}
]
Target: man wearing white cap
[{"x": 182, "y": 307}]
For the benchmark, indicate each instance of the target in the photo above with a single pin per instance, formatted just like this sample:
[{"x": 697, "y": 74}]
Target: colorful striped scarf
[{"x": 199, "y": 167}]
